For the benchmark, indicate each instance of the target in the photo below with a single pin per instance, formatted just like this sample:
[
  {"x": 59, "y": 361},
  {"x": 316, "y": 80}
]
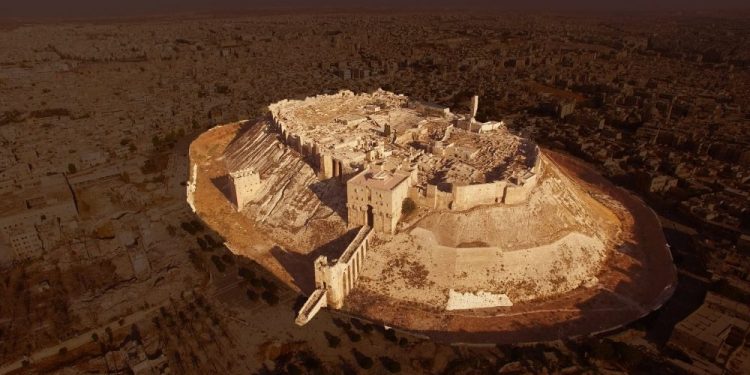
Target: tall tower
[
  {"x": 245, "y": 183},
  {"x": 474, "y": 106}
]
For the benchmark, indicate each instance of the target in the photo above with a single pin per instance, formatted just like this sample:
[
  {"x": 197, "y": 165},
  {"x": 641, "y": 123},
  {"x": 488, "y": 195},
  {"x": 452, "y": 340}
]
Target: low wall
[{"x": 316, "y": 301}]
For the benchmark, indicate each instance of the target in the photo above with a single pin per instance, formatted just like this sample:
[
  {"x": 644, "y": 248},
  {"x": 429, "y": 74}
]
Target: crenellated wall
[
  {"x": 464, "y": 197},
  {"x": 460, "y": 197}
]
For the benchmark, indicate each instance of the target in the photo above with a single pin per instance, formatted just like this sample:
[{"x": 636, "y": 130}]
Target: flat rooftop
[{"x": 379, "y": 180}]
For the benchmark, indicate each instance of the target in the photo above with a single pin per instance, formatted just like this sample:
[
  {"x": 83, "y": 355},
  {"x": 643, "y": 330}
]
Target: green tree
[
  {"x": 391, "y": 365},
  {"x": 408, "y": 206},
  {"x": 252, "y": 295},
  {"x": 333, "y": 341},
  {"x": 363, "y": 360},
  {"x": 245, "y": 273},
  {"x": 271, "y": 298},
  {"x": 218, "y": 263}
]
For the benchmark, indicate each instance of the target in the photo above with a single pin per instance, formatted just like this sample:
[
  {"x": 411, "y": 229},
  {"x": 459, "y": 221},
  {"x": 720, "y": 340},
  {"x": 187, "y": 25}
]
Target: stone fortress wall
[
  {"x": 458, "y": 197},
  {"x": 375, "y": 193},
  {"x": 464, "y": 197},
  {"x": 327, "y": 165},
  {"x": 335, "y": 279}
]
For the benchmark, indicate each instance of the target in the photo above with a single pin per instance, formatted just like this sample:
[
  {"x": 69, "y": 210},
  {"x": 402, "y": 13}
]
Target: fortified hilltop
[{"x": 408, "y": 214}]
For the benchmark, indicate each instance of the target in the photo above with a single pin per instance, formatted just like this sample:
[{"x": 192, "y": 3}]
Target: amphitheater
[{"x": 406, "y": 214}]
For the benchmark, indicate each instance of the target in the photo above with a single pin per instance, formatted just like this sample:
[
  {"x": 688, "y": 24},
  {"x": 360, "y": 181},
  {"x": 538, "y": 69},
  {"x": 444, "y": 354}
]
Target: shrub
[
  {"x": 211, "y": 241},
  {"x": 197, "y": 225},
  {"x": 408, "y": 206},
  {"x": 353, "y": 336},
  {"x": 391, "y": 365},
  {"x": 202, "y": 244},
  {"x": 310, "y": 362},
  {"x": 363, "y": 361},
  {"x": 333, "y": 341},
  {"x": 252, "y": 295},
  {"x": 245, "y": 273},
  {"x": 270, "y": 298},
  {"x": 187, "y": 228},
  {"x": 390, "y": 335},
  {"x": 218, "y": 263},
  {"x": 228, "y": 258},
  {"x": 269, "y": 285}
]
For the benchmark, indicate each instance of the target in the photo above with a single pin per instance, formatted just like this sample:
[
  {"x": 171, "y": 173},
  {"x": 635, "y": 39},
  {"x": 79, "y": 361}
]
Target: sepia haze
[
  {"x": 184, "y": 183},
  {"x": 106, "y": 9}
]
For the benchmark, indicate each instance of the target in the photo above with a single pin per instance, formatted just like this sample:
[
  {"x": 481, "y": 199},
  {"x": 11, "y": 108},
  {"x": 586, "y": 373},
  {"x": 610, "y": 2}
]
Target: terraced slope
[{"x": 299, "y": 210}]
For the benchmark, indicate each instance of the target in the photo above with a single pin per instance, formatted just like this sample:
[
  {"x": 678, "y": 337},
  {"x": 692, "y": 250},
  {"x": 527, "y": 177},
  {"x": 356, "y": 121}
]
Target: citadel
[{"x": 355, "y": 199}]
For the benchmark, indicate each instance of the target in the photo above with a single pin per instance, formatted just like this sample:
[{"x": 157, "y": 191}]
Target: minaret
[
  {"x": 474, "y": 106},
  {"x": 666, "y": 122},
  {"x": 246, "y": 183}
]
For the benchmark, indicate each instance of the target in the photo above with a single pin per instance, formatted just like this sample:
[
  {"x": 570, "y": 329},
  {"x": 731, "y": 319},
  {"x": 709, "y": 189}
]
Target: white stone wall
[{"x": 468, "y": 196}]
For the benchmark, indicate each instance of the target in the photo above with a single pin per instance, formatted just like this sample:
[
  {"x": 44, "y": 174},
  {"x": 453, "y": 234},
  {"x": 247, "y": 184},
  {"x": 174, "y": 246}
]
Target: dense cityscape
[{"x": 105, "y": 268}]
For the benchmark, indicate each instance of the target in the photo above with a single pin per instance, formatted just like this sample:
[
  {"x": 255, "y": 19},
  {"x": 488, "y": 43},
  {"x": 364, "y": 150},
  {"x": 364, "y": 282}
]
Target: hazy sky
[{"x": 129, "y": 8}]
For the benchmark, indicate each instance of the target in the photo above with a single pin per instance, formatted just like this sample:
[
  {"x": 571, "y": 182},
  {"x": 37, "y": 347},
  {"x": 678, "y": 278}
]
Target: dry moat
[{"x": 407, "y": 214}]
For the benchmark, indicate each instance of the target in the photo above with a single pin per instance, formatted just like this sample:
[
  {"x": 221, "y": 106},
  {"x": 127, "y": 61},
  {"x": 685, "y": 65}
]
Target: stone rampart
[{"x": 337, "y": 278}]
